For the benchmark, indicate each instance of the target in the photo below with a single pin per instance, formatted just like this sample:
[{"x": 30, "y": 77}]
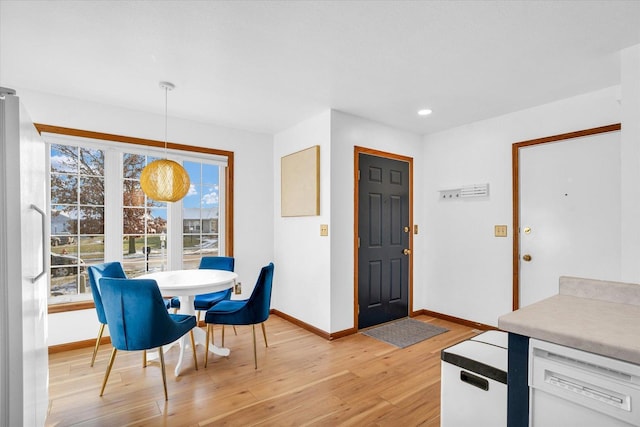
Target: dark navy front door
[{"x": 384, "y": 236}]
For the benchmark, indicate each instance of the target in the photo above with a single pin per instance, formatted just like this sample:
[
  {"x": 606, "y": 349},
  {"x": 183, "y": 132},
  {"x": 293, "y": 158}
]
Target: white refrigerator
[{"x": 23, "y": 268}]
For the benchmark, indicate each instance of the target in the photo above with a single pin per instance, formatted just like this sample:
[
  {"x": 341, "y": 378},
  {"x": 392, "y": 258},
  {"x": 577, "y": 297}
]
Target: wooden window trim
[
  {"x": 71, "y": 306},
  {"x": 84, "y": 305}
]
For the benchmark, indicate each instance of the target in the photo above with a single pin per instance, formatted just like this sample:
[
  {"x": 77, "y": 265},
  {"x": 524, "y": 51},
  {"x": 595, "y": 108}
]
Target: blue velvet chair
[
  {"x": 204, "y": 302},
  {"x": 138, "y": 320},
  {"x": 247, "y": 312},
  {"x": 173, "y": 302},
  {"x": 96, "y": 272},
  {"x": 113, "y": 270}
]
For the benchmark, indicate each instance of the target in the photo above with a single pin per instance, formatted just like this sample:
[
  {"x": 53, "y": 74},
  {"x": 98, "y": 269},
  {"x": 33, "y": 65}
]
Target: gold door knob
[
  {"x": 406, "y": 251},
  {"x": 526, "y": 257}
]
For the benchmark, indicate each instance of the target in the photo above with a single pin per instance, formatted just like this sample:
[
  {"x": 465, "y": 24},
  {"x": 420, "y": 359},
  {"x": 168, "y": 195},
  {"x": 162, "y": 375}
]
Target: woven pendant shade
[{"x": 164, "y": 181}]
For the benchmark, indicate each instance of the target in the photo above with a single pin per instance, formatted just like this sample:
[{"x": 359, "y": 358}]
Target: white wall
[
  {"x": 319, "y": 270},
  {"x": 347, "y": 132},
  {"x": 630, "y": 166},
  {"x": 468, "y": 271},
  {"x": 302, "y": 256},
  {"x": 253, "y": 202}
]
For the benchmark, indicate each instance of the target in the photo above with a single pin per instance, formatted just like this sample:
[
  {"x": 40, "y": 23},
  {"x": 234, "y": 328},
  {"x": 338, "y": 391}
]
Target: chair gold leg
[
  {"x": 234, "y": 330},
  {"x": 223, "y": 335},
  {"x": 144, "y": 358},
  {"x": 95, "y": 349},
  {"x": 264, "y": 334},
  {"x": 206, "y": 345},
  {"x": 198, "y": 319},
  {"x": 106, "y": 374},
  {"x": 255, "y": 353},
  {"x": 193, "y": 346},
  {"x": 164, "y": 375}
]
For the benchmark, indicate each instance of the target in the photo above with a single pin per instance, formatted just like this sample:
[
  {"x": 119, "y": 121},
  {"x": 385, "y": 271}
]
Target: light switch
[
  {"x": 324, "y": 229},
  {"x": 500, "y": 230}
]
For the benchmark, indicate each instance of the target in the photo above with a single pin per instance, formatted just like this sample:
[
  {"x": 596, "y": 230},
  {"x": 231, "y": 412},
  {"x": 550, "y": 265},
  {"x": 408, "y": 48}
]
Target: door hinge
[
  {"x": 358, "y": 174},
  {"x": 358, "y": 242}
]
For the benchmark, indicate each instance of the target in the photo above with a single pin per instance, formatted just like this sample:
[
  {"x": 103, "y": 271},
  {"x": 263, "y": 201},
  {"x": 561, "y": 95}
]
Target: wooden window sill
[{"x": 70, "y": 306}]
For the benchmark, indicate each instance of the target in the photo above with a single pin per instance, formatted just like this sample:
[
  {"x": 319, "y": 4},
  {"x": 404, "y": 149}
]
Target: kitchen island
[{"x": 599, "y": 317}]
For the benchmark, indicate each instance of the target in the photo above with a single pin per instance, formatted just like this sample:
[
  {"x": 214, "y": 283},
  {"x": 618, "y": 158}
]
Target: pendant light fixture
[{"x": 164, "y": 180}]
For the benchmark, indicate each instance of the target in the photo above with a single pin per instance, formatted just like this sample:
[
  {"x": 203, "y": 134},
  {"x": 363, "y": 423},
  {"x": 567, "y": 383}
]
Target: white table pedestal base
[
  {"x": 186, "y": 284},
  {"x": 200, "y": 337}
]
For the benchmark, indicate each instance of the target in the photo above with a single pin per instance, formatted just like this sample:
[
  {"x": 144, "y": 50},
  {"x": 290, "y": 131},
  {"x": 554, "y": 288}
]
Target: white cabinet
[{"x": 570, "y": 387}]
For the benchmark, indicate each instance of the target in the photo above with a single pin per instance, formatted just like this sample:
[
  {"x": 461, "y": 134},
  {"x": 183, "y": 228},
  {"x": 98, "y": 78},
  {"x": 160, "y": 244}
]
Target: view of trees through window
[
  {"x": 77, "y": 216},
  {"x": 79, "y": 210},
  {"x": 144, "y": 222}
]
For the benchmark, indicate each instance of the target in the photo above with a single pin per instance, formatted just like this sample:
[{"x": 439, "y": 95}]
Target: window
[
  {"x": 77, "y": 216},
  {"x": 99, "y": 212},
  {"x": 144, "y": 221},
  {"x": 200, "y": 214}
]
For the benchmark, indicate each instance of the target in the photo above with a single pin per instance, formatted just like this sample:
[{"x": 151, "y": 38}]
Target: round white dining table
[{"x": 186, "y": 284}]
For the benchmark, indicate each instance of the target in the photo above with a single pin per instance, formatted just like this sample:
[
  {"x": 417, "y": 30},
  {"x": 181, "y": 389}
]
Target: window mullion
[
  {"x": 222, "y": 208},
  {"x": 175, "y": 246},
  {"x": 113, "y": 205}
]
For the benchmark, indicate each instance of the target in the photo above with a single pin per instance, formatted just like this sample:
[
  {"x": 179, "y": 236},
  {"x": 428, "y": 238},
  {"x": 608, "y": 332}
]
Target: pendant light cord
[
  {"x": 166, "y": 119},
  {"x": 165, "y": 180},
  {"x": 167, "y": 87}
]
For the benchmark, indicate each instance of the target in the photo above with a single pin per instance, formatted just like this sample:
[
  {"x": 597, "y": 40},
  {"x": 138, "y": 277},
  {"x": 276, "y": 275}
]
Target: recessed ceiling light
[{"x": 424, "y": 112}]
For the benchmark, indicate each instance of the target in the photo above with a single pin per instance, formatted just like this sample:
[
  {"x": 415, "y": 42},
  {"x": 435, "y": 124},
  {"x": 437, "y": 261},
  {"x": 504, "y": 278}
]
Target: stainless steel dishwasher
[{"x": 570, "y": 387}]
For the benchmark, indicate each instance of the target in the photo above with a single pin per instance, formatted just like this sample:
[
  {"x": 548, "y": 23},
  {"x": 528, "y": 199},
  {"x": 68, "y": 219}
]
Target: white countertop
[{"x": 597, "y": 316}]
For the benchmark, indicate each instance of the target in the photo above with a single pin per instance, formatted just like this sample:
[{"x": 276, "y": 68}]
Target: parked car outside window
[
  {"x": 62, "y": 239},
  {"x": 65, "y": 265}
]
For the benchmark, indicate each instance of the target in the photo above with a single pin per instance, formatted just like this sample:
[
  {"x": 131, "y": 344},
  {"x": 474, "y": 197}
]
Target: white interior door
[{"x": 569, "y": 213}]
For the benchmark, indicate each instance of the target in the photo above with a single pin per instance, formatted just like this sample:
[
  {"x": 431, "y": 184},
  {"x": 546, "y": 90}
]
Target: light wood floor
[{"x": 302, "y": 380}]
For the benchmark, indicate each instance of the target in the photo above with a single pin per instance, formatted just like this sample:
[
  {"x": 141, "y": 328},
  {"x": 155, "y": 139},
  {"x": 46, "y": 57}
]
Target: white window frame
[{"x": 113, "y": 175}]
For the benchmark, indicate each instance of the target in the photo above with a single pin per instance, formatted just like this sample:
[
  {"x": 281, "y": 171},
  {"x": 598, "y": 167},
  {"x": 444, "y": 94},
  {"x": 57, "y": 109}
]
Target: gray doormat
[{"x": 405, "y": 332}]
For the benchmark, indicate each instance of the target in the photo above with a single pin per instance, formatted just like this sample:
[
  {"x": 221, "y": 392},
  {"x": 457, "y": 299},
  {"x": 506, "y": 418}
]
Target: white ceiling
[{"x": 267, "y": 65}]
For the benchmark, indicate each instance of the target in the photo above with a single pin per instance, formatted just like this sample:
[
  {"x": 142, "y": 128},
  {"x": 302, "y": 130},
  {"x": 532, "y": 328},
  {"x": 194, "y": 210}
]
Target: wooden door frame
[
  {"x": 515, "y": 179},
  {"x": 356, "y": 212}
]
